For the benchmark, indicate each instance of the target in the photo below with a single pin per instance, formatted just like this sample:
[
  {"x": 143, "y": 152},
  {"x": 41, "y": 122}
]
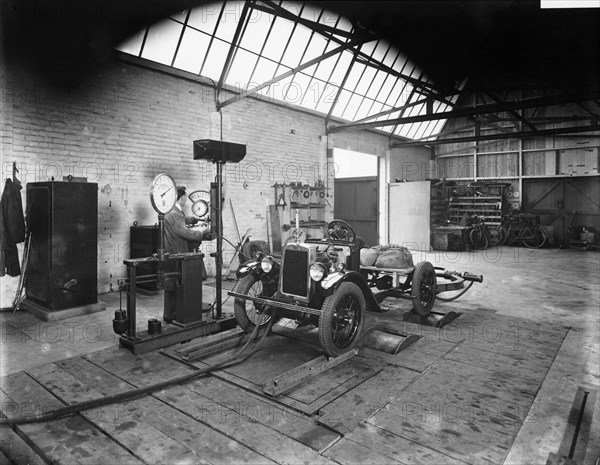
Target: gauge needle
[{"x": 163, "y": 194}]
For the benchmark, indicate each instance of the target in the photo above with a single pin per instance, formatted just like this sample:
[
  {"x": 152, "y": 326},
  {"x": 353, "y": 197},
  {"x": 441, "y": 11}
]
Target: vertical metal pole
[
  {"x": 131, "y": 303},
  {"x": 219, "y": 255}
]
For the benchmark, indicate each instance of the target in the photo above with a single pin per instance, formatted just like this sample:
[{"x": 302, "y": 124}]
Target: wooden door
[
  {"x": 556, "y": 200},
  {"x": 356, "y": 202}
]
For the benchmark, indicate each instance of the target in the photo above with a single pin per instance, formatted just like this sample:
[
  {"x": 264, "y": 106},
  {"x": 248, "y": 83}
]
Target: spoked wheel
[
  {"x": 246, "y": 312},
  {"x": 424, "y": 283},
  {"x": 342, "y": 319},
  {"x": 478, "y": 239},
  {"x": 533, "y": 238}
]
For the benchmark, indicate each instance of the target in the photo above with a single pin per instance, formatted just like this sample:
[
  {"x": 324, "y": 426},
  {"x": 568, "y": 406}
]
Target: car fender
[
  {"x": 246, "y": 268},
  {"x": 333, "y": 281}
]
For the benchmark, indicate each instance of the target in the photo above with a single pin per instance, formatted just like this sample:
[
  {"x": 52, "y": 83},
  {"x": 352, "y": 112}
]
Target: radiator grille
[{"x": 294, "y": 271}]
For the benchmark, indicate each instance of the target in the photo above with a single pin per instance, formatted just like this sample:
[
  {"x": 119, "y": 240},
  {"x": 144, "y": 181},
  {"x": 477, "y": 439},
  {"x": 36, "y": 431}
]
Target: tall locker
[{"x": 62, "y": 269}]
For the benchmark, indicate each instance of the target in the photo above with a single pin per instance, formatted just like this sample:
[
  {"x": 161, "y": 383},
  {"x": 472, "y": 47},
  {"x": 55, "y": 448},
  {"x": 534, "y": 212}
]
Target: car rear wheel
[
  {"x": 342, "y": 319},
  {"x": 246, "y": 312},
  {"x": 423, "y": 289}
]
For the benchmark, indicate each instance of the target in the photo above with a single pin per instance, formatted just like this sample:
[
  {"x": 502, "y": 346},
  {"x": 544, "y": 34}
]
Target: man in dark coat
[
  {"x": 12, "y": 228},
  {"x": 176, "y": 240}
]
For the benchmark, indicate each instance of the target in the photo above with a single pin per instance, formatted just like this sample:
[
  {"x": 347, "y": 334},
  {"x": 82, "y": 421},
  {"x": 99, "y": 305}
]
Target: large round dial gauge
[
  {"x": 199, "y": 195},
  {"x": 200, "y": 208},
  {"x": 163, "y": 193}
]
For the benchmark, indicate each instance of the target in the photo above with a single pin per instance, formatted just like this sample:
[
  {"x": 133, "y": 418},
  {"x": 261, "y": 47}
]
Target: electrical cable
[
  {"x": 139, "y": 392},
  {"x": 450, "y": 299}
]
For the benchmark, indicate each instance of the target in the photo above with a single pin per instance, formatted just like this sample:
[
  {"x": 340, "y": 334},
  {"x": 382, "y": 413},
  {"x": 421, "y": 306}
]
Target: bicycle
[
  {"x": 483, "y": 236},
  {"x": 528, "y": 234}
]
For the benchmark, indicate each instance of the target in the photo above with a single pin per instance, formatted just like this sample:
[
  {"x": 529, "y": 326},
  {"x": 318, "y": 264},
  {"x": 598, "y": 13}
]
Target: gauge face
[
  {"x": 199, "y": 195},
  {"x": 200, "y": 208},
  {"x": 163, "y": 193}
]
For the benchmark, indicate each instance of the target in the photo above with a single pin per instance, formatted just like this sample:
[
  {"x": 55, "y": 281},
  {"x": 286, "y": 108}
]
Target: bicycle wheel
[
  {"x": 533, "y": 238},
  {"x": 495, "y": 235},
  {"x": 503, "y": 235},
  {"x": 478, "y": 239}
]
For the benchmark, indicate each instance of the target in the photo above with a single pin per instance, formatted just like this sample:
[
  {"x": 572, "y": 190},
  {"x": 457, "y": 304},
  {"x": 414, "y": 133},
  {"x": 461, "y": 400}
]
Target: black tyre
[
  {"x": 342, "y": 319},
  {"x": 423, "y": 288},
  {"x": 246, "y": 313},
  {"x": 534, "y": 238},
  {"x": 503, "y": 236},
  {"x": 478, "y": 239}
]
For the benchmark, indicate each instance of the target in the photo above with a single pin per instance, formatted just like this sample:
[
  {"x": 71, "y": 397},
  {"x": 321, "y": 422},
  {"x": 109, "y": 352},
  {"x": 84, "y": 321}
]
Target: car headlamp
[
  {"x": 267, "y": 264},
  {"x": 317, "y": 271}
]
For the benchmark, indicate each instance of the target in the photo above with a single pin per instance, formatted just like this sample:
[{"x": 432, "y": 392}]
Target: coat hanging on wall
[{"x": 12, "y": 226}]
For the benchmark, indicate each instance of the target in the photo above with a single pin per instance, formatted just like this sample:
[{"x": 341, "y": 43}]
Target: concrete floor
[{"x": 549, "y": 285}]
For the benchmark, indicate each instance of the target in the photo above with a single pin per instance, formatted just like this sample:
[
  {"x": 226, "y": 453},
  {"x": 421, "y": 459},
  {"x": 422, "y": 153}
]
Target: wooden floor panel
[{"x": 458, "y": 395}]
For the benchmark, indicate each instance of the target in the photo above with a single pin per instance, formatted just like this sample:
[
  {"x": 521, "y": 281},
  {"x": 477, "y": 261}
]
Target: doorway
[{"x": 356, "y": 192}]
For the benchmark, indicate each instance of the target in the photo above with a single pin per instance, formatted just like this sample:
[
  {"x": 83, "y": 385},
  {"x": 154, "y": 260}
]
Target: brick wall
[{"x": 131, "y": 123}]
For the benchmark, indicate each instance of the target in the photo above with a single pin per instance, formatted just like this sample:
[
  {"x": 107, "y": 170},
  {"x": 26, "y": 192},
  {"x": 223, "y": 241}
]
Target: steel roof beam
[
  {"x": 232, "y": 47},
  {"x": 287, "y": 74},
  {"x": 330, "y": 33},
  {"x": 480, "y": 110},
  {"x": 277, "y": 10},
  {"x": 512, "y": 135}
]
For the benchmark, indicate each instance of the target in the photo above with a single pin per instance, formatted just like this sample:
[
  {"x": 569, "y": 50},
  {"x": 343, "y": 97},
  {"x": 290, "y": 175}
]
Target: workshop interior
[{"x": 300, "y": 232}]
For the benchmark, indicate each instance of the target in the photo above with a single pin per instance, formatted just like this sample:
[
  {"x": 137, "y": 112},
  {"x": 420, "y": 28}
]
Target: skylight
[{"x": 359, "y": 80}]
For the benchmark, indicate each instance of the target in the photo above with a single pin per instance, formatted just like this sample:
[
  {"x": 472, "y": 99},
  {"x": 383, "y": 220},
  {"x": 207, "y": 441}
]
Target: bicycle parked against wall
[
  {"x": 482, "y": 235},
  {"x": 519, "y": 227}
]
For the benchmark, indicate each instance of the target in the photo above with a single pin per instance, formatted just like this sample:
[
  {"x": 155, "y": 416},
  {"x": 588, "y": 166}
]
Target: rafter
[
  {"x": 331, "y": 33},
  {"x": 480, "y": 110},
  {"x": 289, "y": 73},
  {"x": 233, "y": 46},
  {"x": 511, "y": 135}
]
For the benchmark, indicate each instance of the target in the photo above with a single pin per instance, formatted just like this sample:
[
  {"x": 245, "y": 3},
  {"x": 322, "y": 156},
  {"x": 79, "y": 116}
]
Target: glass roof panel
[
  {"x": 241, "y": 68},
  {"x": 316, "y": 47},
  {"x": 298, "y": 89},
  {"x": 344, "y": 24},
  {"x": 363, "y": 109},
  {"x": 340, "y": 69},
  {"x": 280, "y": 88},
  {"x": 133, "y": 45},
  {"x": 162, "y": 41},
  {"x": 229, "y": 20},
  {"x": 374, "y": 91},
  {"x": 381, "y": 51},
  {"x": 256, "y": 31},
  {"x": 354, "y": 76},
  {"x": 205, "y": 17},
  {"x": 282, "y": 28},
  {"x": 215, "y": 59},
  {"x": 179, "y": 16},
  {"x": 326, "y": 97},
  {"x": 296, "y": 47},
  {"x": 192, "y": 50},
  {"x": 265, "y": 71},
  {"x": 366, "y": 80},
  {"x": 271, "y": 45},
  {"x": 311, "y": 13},
  {"x": 325, "y": 68}
]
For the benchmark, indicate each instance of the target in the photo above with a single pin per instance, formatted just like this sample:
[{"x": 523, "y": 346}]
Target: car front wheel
[
  {"x": 342, "y": 319},
  {"x": 246, "y": 312}
]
